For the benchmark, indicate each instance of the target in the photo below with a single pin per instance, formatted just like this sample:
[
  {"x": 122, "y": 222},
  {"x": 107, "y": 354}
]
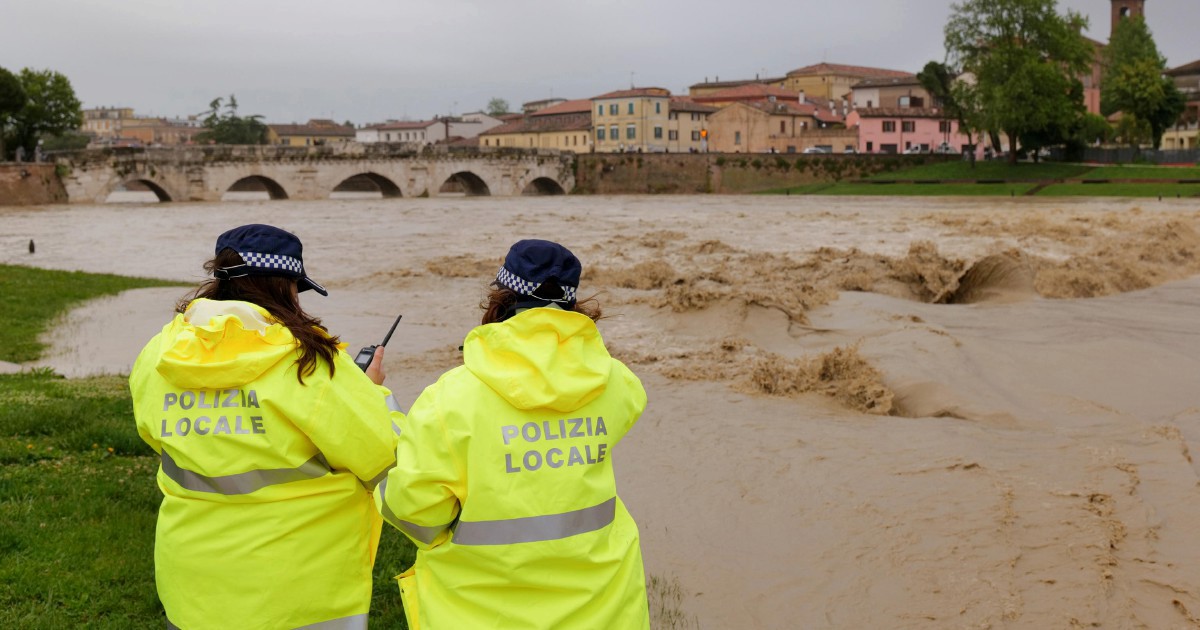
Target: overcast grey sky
[{"x": 370, "y": 60}]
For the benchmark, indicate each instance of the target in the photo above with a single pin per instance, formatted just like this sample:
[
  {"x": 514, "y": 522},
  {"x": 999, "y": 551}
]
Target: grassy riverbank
[
  {"x": 30, "y": 299},
  {"x": 1005, "y": 180},
  {"x": 78, "y": 499}
]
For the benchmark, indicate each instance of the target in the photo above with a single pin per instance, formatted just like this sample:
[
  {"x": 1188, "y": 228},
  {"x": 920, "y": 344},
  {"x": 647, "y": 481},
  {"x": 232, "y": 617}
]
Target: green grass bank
[{"x": 1005, "y": 180}]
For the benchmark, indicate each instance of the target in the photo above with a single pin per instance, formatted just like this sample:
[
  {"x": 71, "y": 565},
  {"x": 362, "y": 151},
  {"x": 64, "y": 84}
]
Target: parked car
[
  {"x": 819, "y": 150},
  {"x": 945, "y": 149},
  {"x": 913, "y": 150}
]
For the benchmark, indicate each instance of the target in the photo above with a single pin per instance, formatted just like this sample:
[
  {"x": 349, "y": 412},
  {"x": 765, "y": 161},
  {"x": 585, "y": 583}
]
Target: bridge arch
[
  {"x": 466, "y": 183},
  {"x": 256, "y": 184},
  {"x": 543, "y": 186},
  {"x": 136, "y": 185},
  {"x": 369, "y": 182}
]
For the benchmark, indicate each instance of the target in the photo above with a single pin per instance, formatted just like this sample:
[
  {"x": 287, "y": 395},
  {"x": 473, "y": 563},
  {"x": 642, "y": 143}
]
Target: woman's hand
[{"x": 375, "y": 369}]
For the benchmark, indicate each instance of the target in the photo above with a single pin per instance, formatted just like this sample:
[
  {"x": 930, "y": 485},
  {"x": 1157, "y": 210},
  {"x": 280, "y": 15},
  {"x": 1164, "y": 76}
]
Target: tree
[
  {"x": 958, "y": 98},
  {"x": 12, "y": 100},
  {"x": 1026, "y": 59},
  {"x": 497, "y": 106},
  {"x": 228, "y": 127},
  {"x": 50, "y": 110},
  {"x": 1134, "y": 83}
]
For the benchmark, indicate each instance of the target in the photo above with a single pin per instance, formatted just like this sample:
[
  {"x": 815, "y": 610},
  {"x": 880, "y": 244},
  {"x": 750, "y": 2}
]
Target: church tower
[{"x": 1122, "y": 9}]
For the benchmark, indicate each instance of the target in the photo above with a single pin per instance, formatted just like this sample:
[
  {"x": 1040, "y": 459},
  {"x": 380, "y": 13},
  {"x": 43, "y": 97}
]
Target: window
[
  {"x": 630, "y": 132},
  {"x": 695, "y": 136},
  {"x": 782, "y": 127},
  {"x": 908, "y": 126},
  {"x": 673, "y": 135},
  {"x": 630, "y": 107},
  {"x": 905, "y": 101},
  {"x": 600, "y": 133},
  {"x": 695, "y": 116},
  {"x": 600, "y": 110},
  {"x": 888, "y": 148},
  {"x": 944, "y": 126},
  {"x": 613, "y": 133},
  {"x": 737, "y": 137},
  {"x": 870, "y": 147},
  {"x": 612, "y": 109},
  {"x": 658, "y": 133},
  {"x": 658, "y": 108},
  {"x": 889, "y": 126}
]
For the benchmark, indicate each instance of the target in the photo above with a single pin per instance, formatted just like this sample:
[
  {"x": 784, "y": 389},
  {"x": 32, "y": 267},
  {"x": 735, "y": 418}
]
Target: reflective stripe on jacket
[
  {"x": 266, "y": 519},
  {"x": 504, "y": 481}
]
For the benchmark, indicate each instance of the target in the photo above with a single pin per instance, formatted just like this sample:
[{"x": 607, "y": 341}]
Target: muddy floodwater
[{"x": 864, "y": 413}]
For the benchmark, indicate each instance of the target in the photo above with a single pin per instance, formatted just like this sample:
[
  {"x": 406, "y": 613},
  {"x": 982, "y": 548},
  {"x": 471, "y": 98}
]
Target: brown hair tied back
[
  {"x": 278, "y": 296},
  {"x": 500, "y": 300}
]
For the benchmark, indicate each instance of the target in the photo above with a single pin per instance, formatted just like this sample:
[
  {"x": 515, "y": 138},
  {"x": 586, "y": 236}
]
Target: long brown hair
[
  {"x": 500, "y": 300},
  {"x": 277, "y": 295}
]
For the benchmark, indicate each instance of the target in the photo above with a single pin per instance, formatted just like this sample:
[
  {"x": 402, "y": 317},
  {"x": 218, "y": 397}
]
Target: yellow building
[
  {"x": 315, "y": 132},
  {"x": 631, "y": 120},
  {"x": 833, "y": 81},
  {"x": 106, "y": 122},
  {"x": 566, "y": 126}
]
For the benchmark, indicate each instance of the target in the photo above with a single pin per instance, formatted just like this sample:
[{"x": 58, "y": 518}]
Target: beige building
[
  {"x": 160, "y": 131},
  {"x": 777, "y": 127},
  {"x": 891, "y": 92},
  {"x": 1186, "y": 132},
  {"x": 832, "y": 81},
  {"x": 687, "y": 126},
  {"x": 631, "y": 120},
  {"x": 315, "y": 132},
  {"x": 707, "y": 88},
  {"x": 566, "y": 126}
]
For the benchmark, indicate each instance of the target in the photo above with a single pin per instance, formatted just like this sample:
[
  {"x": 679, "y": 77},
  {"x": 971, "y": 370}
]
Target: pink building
[{"x": 900, "y": 130}]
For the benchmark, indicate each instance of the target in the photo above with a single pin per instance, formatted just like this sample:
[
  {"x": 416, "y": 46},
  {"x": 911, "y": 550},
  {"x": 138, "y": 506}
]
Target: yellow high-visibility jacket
[
  {"x": 504, "y": 480},
  {"x": 267, "y": 519}
]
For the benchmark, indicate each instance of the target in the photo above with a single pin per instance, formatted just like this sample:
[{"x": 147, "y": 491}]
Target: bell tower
[{"x": 1122, "y": 9}]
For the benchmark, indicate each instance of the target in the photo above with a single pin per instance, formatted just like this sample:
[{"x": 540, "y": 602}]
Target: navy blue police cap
[
  {"x": 266, "y": 251},
  {"x": 532, "y": 263}
]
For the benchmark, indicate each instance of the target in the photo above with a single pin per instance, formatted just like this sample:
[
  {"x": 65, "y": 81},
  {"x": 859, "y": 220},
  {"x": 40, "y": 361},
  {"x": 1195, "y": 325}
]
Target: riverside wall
[
  {"x": 29, "y": 184},
  {"x": 725, "y": 173}
]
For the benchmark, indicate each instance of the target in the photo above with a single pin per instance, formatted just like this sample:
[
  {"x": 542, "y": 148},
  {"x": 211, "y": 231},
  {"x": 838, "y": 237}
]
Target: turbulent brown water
[{"x": 864, "y": 412}]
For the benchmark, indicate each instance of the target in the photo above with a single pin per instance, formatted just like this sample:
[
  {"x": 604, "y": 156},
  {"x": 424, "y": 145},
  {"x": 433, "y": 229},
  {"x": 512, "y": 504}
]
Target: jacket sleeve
[
  {"x": 420, "y": 496},
  {"x": 137, "y": 388},
  {"x": 351, "y": 423}
]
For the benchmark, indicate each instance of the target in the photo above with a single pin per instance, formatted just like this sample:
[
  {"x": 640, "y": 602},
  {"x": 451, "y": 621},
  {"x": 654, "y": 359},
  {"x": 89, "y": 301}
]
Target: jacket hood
[
  {"x": 219, "y": 344},
  {"x": 540, "y": 358}
]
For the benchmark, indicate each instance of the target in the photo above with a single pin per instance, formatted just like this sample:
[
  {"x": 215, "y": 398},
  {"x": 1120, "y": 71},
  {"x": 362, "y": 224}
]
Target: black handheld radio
[{"x": 363, "y": 360}]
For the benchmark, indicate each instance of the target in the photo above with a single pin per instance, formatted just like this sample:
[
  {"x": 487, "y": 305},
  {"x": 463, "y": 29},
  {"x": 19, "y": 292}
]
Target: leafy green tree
[
  {"x": 51, "y": 109},
  {"x": 68, "y": 141},
  {"x": 226, "y": 127},
  {"x": 1134, "y": 83},
  {"x": 497, "y": 106},
  {"x": 12, "y": 100},
  {"x": 957, "y": 98},
  {"x": 1026, "y": 60}
]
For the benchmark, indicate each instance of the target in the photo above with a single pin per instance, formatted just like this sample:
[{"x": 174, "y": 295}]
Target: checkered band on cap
[
  {"x": 273, "y": 261},
  {"x": 525, "y": 287}
]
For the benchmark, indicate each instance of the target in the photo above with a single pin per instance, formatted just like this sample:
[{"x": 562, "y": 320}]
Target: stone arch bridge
[{"x": 207, "y": 173}]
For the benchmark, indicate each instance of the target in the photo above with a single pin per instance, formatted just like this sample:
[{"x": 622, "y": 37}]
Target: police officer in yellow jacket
[
  {"x": 270, "y": 441},
  {"x": 504, "y": 476}
]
